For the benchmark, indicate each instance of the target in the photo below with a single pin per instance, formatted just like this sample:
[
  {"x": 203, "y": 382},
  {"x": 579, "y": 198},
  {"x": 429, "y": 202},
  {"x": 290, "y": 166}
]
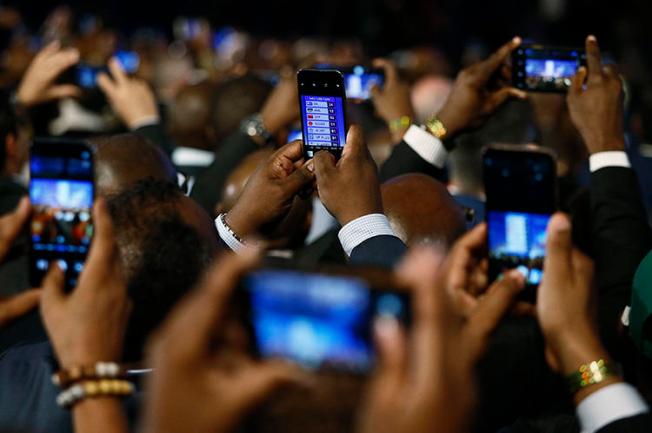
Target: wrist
[
  {"x": 577, "y": 351},
  {"x": 450, "y": 122},
  {"x": 241, "y": 222},
  {"x": 613, "y": 145}
]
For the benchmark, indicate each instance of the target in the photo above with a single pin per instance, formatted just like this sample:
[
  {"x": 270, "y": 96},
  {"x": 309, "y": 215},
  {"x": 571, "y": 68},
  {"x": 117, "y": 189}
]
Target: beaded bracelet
[
  {"x": 590, "y": 374},
  {"x": 102, "y": 370},
  {"x": 93, "y": 389},
  {"x": 400, "y": 123}
]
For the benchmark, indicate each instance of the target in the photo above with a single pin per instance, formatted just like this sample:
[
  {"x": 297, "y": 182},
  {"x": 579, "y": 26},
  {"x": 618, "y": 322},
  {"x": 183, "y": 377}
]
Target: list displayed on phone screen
[{"x": 323, "y": 123}]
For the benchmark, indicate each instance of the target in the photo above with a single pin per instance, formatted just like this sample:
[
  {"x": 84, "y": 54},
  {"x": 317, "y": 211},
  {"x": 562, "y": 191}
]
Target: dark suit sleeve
[
  {"x": 380, "y": 251},
  {"x": 157, "y": 135},
  {"x": 403, "y": 160},
  {"x": 635, "y": 424},
  {"x": 620, "y": 236},
  {"x": 208, "y": 187}
]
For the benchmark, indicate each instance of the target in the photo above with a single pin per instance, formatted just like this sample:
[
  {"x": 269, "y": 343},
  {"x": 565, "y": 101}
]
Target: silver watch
[{"x": 253, "y": 126}]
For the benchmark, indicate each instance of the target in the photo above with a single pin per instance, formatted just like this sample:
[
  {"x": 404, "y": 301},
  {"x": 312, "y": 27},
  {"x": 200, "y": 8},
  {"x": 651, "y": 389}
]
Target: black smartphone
[
  {"x": 521, "y": 195},
  {"x": 322, "y": 321},
  {"x": 62, "y": 191},
  {"x": 322, "y": 101},
  {"x": 86, "y": 74},
  {"x": 537, "y": 68},
  {"x": 358, "y": 80}
]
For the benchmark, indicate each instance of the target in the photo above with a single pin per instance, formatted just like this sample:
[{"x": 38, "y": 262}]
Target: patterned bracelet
[
  {"x": 102, "y": 370},
  {"x": 93, "y": 389},
  {"x": 222, "y": 218},
  {"x": 590, "y": 374}
]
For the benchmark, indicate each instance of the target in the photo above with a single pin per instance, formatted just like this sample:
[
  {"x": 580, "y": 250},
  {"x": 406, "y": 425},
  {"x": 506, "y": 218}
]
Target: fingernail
[
  {"x": 592, "y": 38},
  {"x": 517, "y": 40},
  {"x": 518, "y": 276},
  {"x": 311, "y": 166},
  {"x": 62, "y": 265},
  {"x": 386, "y": 327},
  {"x": 559, "y": 223}
]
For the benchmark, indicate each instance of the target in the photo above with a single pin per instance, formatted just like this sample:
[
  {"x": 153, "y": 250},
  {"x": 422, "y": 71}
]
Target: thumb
[
  {"x": 298, "y": 178},
  {"x": 355, "y": 146},
  {"x": 559, "y": 246},
  {"x": 63, "y": 91},
  {"x": 53, "y": 285},
  {"x": 374, "y": 90},
  {"x": 392, "y": 352},
  {"x": 499, "y": 97},
  {"x": 256, "y": 382}
]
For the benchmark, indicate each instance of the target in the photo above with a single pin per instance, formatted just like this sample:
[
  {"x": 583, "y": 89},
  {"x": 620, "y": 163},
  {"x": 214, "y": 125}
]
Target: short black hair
[{"x": 162, "y": 255}]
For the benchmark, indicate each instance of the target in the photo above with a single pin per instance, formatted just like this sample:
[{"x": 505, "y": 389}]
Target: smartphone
[
  {"x": 62, "y": 191},
  {"x": 537, "y": 68},
  {"x": 360, "y": 79},
  {"x": 521, "y": 195},
  {"x": 322, "y": 101},
  {"x": 294, "y": 134},
  {"x": 320, "y": 321},
  {"x": 86, "y": 74}
]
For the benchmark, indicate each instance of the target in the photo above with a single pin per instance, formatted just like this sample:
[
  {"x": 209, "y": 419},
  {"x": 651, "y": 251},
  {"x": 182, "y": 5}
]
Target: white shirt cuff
[
  {"x": 227, "y": 236},
  {"x": 426, "y": 145},
  {"x": 611, "y": 403},
  {"x": 145, "y": 121},
  {"x": 616, "y": 158},
  {"x": 363, "y": 228}
]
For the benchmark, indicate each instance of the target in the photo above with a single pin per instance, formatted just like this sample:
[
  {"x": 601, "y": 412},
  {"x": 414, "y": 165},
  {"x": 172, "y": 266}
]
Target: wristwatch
[
  {"x": 436, "y": 128},
  {"x": 253, "y": 126}
]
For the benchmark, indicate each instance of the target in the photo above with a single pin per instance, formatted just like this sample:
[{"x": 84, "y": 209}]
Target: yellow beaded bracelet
[{"x": 590, "y": 374}]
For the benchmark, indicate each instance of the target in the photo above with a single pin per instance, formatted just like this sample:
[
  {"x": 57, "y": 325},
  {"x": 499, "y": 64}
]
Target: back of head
[
  {"x": 236, "y": 99},
  {"x": 164, "y": 249},
  {"x": 122, "y": 160},
  {"x": 190, "y": 116},
  {"x": 513, "y": 123},
  {"x": 420, "y": 210}
]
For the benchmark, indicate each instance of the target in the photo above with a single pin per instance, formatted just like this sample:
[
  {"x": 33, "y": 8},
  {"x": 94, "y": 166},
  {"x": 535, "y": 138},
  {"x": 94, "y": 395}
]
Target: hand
[
  {"x": 38, "y": 84},
  {"x": 282, "y": 105},
  {"x": 14, "y": 307},
  {"x": 349, "y": 188},
  {"x": 88, "y": 325},
  {"x": 565, "y": 302},
  {"x": 131, "y": 98},
  {"x": 392, "y": 101},
  {"x": 597, "y": 108},
  {"x": 11, "y": 225},
  {"x": 191, "y": 390},
  {"x": 270, "y": 190},
  {"x": 470, "y": 101},
  {"x": 428, "y": 380}
]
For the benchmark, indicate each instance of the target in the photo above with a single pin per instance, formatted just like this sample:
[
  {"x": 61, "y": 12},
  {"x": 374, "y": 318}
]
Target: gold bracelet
[
  {"x": 101, "y": 370},
  {"x": 590, "y": 374},
  {"x": 400, "y": 123},
  {"x": 436, "y": 128}
]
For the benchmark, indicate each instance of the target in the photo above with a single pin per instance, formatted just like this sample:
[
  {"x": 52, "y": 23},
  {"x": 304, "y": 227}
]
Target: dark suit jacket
[
  {"x": 635, "y": 424},
  {"x": 157, "y": 135},
  {"x": 379, "y": 251},
  {"x": 404, "y": 160}
]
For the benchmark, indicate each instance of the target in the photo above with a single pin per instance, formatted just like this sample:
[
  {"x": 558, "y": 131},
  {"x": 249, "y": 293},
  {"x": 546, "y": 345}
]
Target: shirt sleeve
[
  {"x": 616, "y": 158},
  {"x": 611, "y": 403},
  {"x": 363, "y": 228},
  {"x": 227, "y": 236},
  {"x": 426, "y": 145}
]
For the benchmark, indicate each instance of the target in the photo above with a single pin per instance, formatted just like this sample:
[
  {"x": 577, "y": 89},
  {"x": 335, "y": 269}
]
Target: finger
[
  {"x": 18, "y": 305},
  {"x": 391, "y": 73},
  {"x": 593, "y": 59},
  {"x": 292, "y": 151},
  {"x": 577, "y": 82},
  {"x": 559, "y": 245},
  {"x": 103, "y": 247},
  {"x": 300, "y": 177},
  {"x": 324, "y": 164},
  {"x": 117, "y": 72},
  {"x": 491, "y": 309},
  {"x": 62, "y": 60},
  {"x": 48, "y": 50},
  {"x": 255, "y": 382},
  {"x": 196, "y": 319},
  {"x": 63, "y": 91},
  {"x": 106, "y": 84},
  {"x": 462, "y": 258},
  {"x": 392, "y": 351},
  {"x": 11, "y": 225},
  {"x": 524, "y": 309},
  {"x": 491, "y": 65},
  {"x": 499, "y": 97},
  {"x": 583, "y": 267},
  {"x": 374, "y": 90},
  {"x": 355, "y": 146},
  {"x": 53, "y": 285}
]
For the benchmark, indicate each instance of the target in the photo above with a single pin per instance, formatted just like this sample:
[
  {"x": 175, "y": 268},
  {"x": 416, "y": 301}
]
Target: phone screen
[
  {"x": 520, "y": 186},
  {"x": 322, "y": 98},
  {"x": 61, "y": 191},
  {"x": 86, "y": 75},
  {"x": 319, "y": 321},
  {"x": 544, "y": 69},
  {"x": 359, "y": 81}
]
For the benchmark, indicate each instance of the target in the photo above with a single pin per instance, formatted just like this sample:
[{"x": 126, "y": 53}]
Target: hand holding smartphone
[
  {"x": 62, "y": 192},
  {"x": 322, "y": 101},
  {"x": 537, "y": 68}
]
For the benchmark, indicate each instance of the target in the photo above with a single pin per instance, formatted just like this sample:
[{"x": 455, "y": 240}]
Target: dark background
[{"x": 384, "y": 25}]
